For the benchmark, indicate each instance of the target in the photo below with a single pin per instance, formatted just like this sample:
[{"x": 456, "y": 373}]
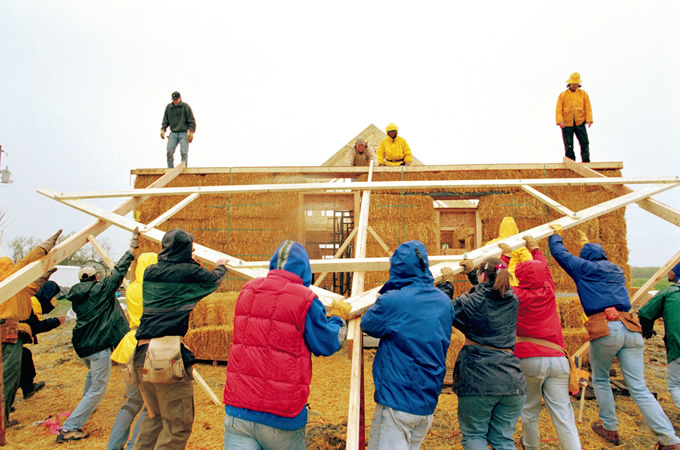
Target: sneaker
[
  {"x": 36, "y": 387},
  {"x": 11, "y": 423},
  {"x": 666, "y": 447},
  {"x": 611, "y": 436},
  {"x": 74, "y": 435}
]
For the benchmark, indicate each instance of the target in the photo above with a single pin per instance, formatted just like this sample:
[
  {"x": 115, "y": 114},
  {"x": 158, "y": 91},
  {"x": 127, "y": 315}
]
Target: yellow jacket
[
  {"x": 573, "y": 108},
  {"x": 19, "y": 306},
  {"x": 133, "y": 297},
  {"x": 509, "y": 228},
  {"x": 392, "y": 152}
]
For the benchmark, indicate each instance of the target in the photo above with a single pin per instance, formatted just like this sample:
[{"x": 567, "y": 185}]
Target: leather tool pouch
[
  {"x": 130, "y": 372},
  {"x": 163, "y": 362},
  {"x": 10, "y": 331},
  {"x": 597, "y": 327},
  {"x": 630, "y": 322}
]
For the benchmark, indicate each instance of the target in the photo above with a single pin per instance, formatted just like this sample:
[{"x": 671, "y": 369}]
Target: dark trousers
[
  {"x": 27, "y": 371},
  {"x": 582, "y": 136},
  {"x": 11, "y": 367}
]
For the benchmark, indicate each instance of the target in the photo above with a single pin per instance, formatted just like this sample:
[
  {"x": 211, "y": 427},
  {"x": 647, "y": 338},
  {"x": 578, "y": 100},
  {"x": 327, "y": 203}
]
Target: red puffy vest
[{"x": 270, "y": 366}]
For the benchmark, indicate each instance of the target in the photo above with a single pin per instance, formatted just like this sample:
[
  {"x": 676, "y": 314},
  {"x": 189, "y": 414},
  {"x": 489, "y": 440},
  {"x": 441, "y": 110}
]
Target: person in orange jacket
[{"x": 572, "y": 115}]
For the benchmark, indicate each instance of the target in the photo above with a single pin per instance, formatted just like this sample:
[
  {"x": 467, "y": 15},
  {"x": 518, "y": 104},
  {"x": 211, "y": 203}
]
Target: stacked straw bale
[{"x": 211, "y": 326}]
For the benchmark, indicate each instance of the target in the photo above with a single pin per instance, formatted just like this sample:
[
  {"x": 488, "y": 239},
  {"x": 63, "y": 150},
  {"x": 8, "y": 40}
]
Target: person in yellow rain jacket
[
  {"x": 393, "y": 150},
  {"x": 134, "y": 402},
  {"x": 509, "y": 228},
  {"x": 12, "y": 311},
  {"x": 573, "y": 114}
]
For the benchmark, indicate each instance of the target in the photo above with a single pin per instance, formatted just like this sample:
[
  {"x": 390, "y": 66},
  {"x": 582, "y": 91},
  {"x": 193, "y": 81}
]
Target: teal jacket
[
  {"x": 665, "y": 304},
  {"x": 100, "y": 322}
]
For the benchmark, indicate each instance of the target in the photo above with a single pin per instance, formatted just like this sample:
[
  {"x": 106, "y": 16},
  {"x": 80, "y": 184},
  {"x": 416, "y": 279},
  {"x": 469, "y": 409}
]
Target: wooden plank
[
  {"x": 649, "y": 284},
  {"x": 380, "y": 242},
  {"x": 172, "y": 211},
  {"x": 201, "y": 253},
  {"x": 548, "y": 201},
  {"x": 650, "y": 205},
  {"x": 364, "y": 301},
  {"x": 25, "y": 276},
  {"x": 374, "y": 264},
  {"x": 345, "y": 172},
  {"x": 105, "y": 256},
  {"x": 374, "y": 185}
]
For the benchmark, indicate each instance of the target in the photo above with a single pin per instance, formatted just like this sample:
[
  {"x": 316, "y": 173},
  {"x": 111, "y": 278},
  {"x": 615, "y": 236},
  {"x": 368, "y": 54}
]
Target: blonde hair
[{"x": 496, "y": 271}]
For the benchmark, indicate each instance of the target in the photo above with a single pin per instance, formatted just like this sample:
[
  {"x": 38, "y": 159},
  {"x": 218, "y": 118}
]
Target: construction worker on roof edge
[
  {"x": 572, "y": 115},
  {"x": 393, "y": 150}
]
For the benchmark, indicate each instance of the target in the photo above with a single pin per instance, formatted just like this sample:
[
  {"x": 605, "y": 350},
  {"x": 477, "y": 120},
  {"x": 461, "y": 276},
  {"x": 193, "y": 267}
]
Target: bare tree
[{"x": 20, "y": 246}]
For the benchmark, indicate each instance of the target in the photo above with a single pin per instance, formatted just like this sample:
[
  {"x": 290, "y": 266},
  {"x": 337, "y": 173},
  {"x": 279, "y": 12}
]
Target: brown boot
[
  {"x": 666, "y": 447},
  {"x": 611, "y": 436}
]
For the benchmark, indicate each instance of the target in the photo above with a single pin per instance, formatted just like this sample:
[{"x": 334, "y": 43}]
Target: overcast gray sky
[{"x": 84, "y": 85}]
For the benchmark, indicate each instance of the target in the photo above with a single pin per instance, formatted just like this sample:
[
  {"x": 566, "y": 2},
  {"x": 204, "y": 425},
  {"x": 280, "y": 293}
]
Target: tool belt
[
  {"x": 471, "y": 342},
  {"x": 9, "y": 330},
  {"x": 597, "y": 325},
  {"x": 163, "y": 361},
  {"x": 573, "y": 370}
]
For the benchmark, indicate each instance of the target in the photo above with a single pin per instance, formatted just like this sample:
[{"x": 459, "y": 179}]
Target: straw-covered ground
[{"x": 58, "y": 365}]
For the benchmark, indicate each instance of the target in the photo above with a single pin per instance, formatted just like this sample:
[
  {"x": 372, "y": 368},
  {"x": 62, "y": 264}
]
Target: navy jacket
[
  {"x": 599, "y": 282},
  {"x": 413, "y": 320}
]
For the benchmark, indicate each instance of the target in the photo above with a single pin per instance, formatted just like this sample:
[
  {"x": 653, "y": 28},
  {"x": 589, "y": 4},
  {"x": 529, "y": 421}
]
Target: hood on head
[
  {"x": 408, "y": 263},
  {"x": 593, "y": 252},
  {"x": 530, "y": 274},
  {"x": 177, "y": 246},
  {"x": 144, "y": 261},
  {"x": 293, "y": 257},
  {"x": 45, "y": 295},
  {"x": 508, "y": 228},
  {"x": 392, "y": 127}
]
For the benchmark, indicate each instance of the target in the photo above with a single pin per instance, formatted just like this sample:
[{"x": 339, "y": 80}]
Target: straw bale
[
  {"x": 457, "y": 342},
  {"x": 214, "y": 310},
  {"x": 210, "y": 342},
  {"x": 574, "y": 338},
  {"x": 570, "y": 311}
]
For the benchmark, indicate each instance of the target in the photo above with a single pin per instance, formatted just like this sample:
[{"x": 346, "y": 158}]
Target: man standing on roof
[
  {"x": 179, "y": 116},
  {"x": 269, "y": 373},
  {"x": 360, "y": 154},
  {"x": 572, "y": 114},
  {"x": 393, "y": 150}
]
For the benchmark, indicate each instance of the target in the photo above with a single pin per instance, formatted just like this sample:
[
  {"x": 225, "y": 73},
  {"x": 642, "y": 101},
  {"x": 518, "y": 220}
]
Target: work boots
[
  {"x": 666, "y": 447},
  {"x": 611, "y": 436}
]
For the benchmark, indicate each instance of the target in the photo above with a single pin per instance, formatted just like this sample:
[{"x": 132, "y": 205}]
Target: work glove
[
  {"x": 49, "y": 243},
  {"x": 447, "y": 274},
  {"x": 340, "y": 309},
  {"x": 162, "y": 134},
  {"x": 557, "y": 228},
  {"x": 190, "y": 136},
  {"x": 468, "y": 265},
  {"x": 530, "y": 242},
  {"x": 506, "y": 250},
  {"x": 647, "y": 334},
  {"x": 134, "y": 242},
  {"x": 584, "y": 239},
  {"x": 44, "y": 277}
]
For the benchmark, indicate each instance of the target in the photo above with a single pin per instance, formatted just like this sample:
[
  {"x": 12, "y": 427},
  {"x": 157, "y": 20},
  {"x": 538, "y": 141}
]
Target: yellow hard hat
[{"x": 575, "y": 78}]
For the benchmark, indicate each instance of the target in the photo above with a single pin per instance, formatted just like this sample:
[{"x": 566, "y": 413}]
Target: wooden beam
[
  {"x": 548, "y": 201},
  {"x": 649, "y": 284},
  {"x": 650, "y": 205},
  {"x": 25, "y": 276},
  {"x": 172, "y": 211},
  {"x": 364, "y": 301},
  {"x": 380, "y": 241},
  {"x": 337, "y": 255},
  {"x": 375, "y": 185}
]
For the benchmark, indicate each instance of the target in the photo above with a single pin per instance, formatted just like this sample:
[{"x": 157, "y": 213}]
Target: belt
[
  {"x": 471, "y": 342},
  {"x": 395, "y": 160},
  {"x": 148, "y": 341}
]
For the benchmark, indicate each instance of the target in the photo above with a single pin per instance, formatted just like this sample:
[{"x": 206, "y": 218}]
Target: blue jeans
[
  {"x": 99, "y": 365},
  {"x": 674, "y": 380},
  {"x": 548, "y": 379},
  {"x": 489, "y": 420},
  {"x": 628, "y": 347},
  {"x": 121, "y": 428},
  {"x": 397, "y": 430},
  {"x": 242, "y": 434},
  {"x": 177, "y": 137}
]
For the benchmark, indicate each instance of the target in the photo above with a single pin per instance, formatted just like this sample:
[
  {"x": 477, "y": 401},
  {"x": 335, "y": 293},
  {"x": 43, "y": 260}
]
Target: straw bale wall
[{"x": 211, "y": 325}]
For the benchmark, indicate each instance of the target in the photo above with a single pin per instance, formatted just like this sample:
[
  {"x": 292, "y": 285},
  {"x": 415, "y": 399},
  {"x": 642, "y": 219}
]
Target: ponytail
[{"x": 496, "y": 271}]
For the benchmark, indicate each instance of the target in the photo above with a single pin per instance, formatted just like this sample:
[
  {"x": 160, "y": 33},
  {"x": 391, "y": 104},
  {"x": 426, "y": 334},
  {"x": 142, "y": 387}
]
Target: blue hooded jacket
[
  {"x": 413, "y": 320},
  {"x": 600, "y": 283}
]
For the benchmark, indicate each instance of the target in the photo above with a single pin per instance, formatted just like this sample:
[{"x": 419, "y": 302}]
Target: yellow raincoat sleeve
[
  {"x": 19, "y": 306},
  {"x": 407, "y": 152}
]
